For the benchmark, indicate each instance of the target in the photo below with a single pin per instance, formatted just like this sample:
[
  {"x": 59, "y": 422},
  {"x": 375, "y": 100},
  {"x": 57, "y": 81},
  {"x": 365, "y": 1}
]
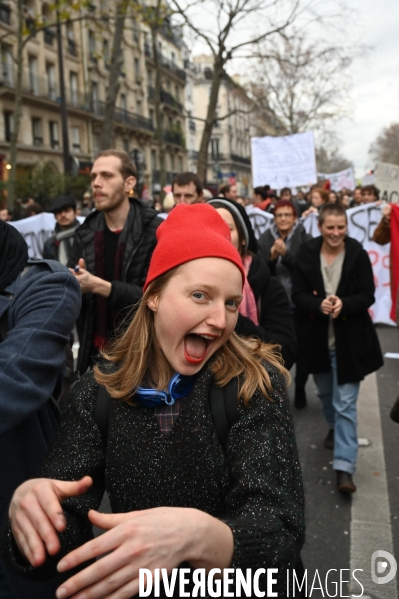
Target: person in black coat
[
  {"x": 111, "y": 253},
  {"x": 333, "y": 287},
  {"x": 272, "y": 320}
]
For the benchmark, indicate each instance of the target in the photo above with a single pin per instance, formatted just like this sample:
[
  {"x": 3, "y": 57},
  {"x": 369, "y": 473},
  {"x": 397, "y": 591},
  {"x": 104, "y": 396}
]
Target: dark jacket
[
  {"x": 357, "y": 346},
  {"x": 64, "y": 236},
  {"x": 41, "y": 306},
  {"x": 255, "y": 486},
  {"x": 139, "y": 236},
  {"x": 275, "y": 321},
  {"x": 267, "y": 239}
]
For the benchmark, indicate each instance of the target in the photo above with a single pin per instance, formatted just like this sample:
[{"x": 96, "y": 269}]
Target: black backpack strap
[
  {"x": 224, "y": 408},
  {"x": 102, "y": 409}
]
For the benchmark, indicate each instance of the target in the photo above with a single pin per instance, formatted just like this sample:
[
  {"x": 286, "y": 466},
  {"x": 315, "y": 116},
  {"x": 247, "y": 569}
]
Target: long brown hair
[{"x": 137, "y": 348}]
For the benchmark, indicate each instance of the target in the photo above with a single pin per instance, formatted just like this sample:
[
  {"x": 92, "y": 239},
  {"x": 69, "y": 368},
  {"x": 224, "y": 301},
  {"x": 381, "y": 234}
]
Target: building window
[
  {"x": 139, "y": 109},
  {"x": 54, "y": 138},
  {"x": 5, "y": 13},
  {"x": 72, "y": 49},
  {"x": 33, "y": 75},
  {"x": 8, "y": 125},
  {"x": 215, "y": 149},
  {"x": 152, "y": 117},
  {"x": 180, "y": 159},
  {"x": 126, "y": 145},
  {"x": 92, "y": 47},
  {"x": 95, "y": 104},
  {"x": 51, "y": 81},
  {"x": 137, "y": 70},
  {"x": 37, "y": 132},
  {"x": 149, "y": 76},
  {"x": 106, "y": 54},
  {"x": 123, "y": 103},
  {"x": 7, "y": 65},
  {"x": 73, "y": 85},
  {"x": 96, "y": 142},
  {"x": 75, "y": 138},
  {"x": 154, "y": 160},
  {"x": 172, "y": 163}
]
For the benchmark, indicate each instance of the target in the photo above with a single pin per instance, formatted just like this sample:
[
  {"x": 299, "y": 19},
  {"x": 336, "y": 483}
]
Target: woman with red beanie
[{"x": 180, "y": 497}]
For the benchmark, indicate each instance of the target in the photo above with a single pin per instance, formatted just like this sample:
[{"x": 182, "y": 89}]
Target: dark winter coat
[
  {"x": 275, "y": 320},
  {"x": 40, "y": 307},
  {"x": 52, "y": 244},
  {"x": 357, "y": 346},
  {"x": 267, "y": 239},
  {"x": 139, "y": 236},
  {"x": 255, "y": 486}
]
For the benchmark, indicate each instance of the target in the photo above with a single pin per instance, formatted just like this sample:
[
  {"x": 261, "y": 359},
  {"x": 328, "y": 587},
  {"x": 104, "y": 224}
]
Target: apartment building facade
[
  {"x": 86, "y": 52},
  {"x": 229, "y": 151}
]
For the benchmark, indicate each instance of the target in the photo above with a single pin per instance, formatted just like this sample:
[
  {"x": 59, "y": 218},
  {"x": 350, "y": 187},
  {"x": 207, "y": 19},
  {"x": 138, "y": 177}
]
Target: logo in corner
[{"x": 379, "y": 564}]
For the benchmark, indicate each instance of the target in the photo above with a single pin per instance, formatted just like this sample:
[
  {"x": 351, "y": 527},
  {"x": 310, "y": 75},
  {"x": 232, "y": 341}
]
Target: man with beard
[{"x": 111, "y": 252}]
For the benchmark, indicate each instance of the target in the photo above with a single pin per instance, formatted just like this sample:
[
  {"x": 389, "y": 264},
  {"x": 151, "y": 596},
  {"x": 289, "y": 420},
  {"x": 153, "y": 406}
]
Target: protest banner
[
  {"x": 387, "y": 181},
  {"x": 260, "y": 220},
  {"x": 36, "y": 230},
  {"x": 341, "y": 180},
  {"x": 362, "y": 222},
  {"x": 283, "y": 161}
]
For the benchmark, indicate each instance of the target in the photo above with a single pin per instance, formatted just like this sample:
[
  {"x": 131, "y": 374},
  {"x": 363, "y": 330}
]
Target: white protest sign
[
  {"x": 341, "y": 180},
  {"x": 283, "y": 161},
  {"x": 362, "y": 222},
  {"x": 260, "y": 220},
  {"x": 36, "y": 230},
  {"x": 387, "y": 181}
]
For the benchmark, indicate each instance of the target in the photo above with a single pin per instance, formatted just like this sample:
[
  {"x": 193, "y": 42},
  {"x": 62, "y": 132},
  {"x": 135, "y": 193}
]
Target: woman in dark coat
[
  {"x": 271, "y": 319},
  {"x": 333, "y": 288}
]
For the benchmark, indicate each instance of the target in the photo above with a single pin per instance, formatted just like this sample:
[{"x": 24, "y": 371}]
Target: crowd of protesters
[{"x": 172, "y": 301}]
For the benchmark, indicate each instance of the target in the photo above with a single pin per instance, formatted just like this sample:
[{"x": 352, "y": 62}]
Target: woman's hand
[
  {"x": 36, "y": 515},
  {"x": 161, "y": 537}
]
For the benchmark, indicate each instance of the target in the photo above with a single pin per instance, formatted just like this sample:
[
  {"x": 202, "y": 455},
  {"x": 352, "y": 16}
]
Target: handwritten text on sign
[{"x": 283, "y": 161}]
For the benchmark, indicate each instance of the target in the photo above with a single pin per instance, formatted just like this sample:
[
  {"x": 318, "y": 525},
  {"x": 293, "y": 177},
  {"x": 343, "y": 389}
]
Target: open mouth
[{"x": 196, "y": 347}]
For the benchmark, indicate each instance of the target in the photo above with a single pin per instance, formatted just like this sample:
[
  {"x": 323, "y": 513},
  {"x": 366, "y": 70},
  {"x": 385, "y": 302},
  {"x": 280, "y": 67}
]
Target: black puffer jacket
[
  {"x": 276, "y": 323},
  {"x": 139, "y": 236}
]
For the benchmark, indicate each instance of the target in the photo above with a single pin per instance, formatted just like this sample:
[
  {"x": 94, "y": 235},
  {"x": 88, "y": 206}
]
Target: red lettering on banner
[{"x": 374, "y": 257}]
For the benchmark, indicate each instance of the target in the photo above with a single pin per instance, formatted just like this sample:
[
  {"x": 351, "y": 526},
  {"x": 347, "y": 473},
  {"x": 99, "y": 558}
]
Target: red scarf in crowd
[{"x": 394, "y": 257}]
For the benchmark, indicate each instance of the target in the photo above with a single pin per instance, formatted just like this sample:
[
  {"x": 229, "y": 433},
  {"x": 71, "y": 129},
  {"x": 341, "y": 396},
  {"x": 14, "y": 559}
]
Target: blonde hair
[{"x": 137, "y": 347}]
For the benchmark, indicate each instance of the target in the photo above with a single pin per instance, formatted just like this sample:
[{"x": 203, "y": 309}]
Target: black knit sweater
[{"x": 255, "y": 487}]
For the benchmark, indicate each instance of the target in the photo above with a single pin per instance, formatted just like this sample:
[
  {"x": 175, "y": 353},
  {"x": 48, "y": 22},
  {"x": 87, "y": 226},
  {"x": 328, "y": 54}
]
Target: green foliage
[{"x": 44, "y": 183}]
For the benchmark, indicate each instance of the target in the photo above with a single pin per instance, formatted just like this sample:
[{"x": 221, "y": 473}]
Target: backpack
[{"x": 223, "y": 403}]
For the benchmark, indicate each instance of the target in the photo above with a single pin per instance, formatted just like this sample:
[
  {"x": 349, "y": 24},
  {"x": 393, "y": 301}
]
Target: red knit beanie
[{"x": 191, "y": 232}]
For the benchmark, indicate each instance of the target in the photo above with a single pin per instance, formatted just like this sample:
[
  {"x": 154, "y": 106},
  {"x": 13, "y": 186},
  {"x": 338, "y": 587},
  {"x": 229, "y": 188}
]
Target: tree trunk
[
  {"x": 17, "y": 110},
  {"x": 210, "y": 118},
  {"x": 158, "y": 112},
  {"x": 107, "y": 132}
]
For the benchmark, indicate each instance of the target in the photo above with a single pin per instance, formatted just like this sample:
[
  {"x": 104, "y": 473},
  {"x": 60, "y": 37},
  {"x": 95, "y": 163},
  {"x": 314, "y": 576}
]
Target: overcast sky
[{"x": 375, "y": 93}]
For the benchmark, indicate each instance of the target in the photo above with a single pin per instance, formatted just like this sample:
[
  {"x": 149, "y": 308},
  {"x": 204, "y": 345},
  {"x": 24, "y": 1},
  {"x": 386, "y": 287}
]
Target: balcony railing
[
  {"x": 165, "y": 62},
  {"x": 174, "y": 137},
  {"x": 240, "y": 159},
  {"x": 166, "y": 98},
  {"x": 193, "y": 154},
  {"x": 156, "y": 177}
]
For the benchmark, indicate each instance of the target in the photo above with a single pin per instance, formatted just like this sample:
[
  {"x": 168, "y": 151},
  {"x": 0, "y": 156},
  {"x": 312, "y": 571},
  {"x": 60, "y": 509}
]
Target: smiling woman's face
[{"x": 197, "y": 312}]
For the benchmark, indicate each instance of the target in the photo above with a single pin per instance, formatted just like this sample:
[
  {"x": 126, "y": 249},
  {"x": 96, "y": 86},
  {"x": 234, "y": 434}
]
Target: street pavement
[{"x": 343, "y": 532}]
